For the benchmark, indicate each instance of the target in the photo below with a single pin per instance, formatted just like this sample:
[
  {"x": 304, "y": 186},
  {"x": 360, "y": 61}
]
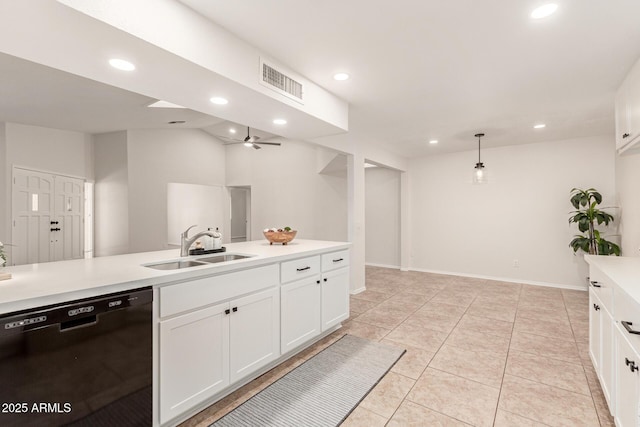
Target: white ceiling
[{"x": 446, "y": 70}]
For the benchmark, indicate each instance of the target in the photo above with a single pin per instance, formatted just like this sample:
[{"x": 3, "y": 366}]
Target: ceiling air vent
[{"x": 280, "y": 82}]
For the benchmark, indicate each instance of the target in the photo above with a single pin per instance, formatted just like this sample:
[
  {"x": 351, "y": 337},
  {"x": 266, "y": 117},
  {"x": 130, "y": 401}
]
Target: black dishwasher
[{"x": 82, "y": 363}]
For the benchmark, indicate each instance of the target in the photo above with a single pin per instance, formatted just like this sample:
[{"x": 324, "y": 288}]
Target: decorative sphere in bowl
[{"x": 283, "y": 237}]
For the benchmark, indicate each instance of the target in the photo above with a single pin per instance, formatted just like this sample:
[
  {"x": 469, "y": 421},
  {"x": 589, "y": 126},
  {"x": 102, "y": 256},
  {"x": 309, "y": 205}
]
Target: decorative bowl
[{"x": 283, "y": 237}]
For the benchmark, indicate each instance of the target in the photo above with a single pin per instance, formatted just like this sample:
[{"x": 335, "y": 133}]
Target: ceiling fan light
[{"x": 248, "y": 144}]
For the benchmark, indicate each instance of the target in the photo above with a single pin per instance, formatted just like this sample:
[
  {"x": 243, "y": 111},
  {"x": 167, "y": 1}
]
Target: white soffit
[{"x": 60, "y": 37}]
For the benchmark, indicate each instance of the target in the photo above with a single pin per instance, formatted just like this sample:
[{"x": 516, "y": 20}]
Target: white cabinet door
[
  {"x": 628, "y": 384},
  {"x": 607, "y": 371},
  {"x": 335, "y": 297},
  {"x": 595, "y": 335},
  {"x": 254, "y": 332},
  {"x": 300, "y": 308},
  {"x": 194, "y": 359}
]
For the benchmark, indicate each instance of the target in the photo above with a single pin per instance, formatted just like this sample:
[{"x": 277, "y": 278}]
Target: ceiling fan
[{"x": 249, "y": 141}]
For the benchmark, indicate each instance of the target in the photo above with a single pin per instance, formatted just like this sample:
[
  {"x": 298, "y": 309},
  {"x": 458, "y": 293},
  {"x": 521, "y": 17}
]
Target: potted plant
[
  {"x": 3, "y": 257},
  {"x": 586, "y": 216}
]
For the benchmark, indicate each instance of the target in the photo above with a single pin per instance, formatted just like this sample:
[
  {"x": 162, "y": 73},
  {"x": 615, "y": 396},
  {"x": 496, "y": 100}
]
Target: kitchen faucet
[{"x": 186, "y": 242}]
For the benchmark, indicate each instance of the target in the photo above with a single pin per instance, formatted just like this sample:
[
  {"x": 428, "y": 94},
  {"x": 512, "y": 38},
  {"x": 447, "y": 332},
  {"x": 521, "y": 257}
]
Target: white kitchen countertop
[
  {"x": 623, "y": 271},
  {"x": 37, "y": 285}
]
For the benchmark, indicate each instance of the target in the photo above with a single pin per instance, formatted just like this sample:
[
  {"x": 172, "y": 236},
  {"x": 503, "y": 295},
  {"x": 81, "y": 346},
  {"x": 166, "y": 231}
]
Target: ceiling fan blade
[
  {"x": 226, "y": 138},
  {"x": 257, "y": 147},
  {"x": 268, "y": 143},
  {"x": 233, "y": 143}
]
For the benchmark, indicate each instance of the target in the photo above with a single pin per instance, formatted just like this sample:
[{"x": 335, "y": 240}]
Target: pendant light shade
[{"x": 480, "y": 175}]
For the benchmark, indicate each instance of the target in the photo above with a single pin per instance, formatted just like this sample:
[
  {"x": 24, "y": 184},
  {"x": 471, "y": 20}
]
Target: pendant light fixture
[{"x": 479, "y": 171}]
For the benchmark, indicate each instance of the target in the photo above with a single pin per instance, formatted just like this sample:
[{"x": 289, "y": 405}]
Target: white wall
[
  {"x": 50, "y": 150},
  {"x": 111, "y": 194},
  {"x": 156, "y": 158},
  {"x": 382, "y": 217},
  {"x": 520, "y": 215},
  {"x": 627, "y": 184},
  {"x": 287, "y": 190}
]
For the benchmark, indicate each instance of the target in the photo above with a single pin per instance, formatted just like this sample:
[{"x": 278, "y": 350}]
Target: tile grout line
[{"x": 506, "y": 361}]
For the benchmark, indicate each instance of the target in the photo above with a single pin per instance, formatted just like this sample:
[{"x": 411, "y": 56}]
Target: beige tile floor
[{"x": 479, "y": 353}]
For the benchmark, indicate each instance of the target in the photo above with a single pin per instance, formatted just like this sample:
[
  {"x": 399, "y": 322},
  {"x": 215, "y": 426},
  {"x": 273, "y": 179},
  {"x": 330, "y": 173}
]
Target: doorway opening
[{"x": 240, "y": 214}]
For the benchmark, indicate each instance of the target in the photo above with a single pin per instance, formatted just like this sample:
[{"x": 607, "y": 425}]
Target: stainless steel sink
[
  {"x": 188, "y": 263},
  {"x": 175, "y": 265},
  {"x": 223, "y": 258}
]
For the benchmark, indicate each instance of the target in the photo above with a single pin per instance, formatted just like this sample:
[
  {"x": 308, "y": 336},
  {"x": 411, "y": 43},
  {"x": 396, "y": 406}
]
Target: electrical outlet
[{"x": 516, "y": 263}]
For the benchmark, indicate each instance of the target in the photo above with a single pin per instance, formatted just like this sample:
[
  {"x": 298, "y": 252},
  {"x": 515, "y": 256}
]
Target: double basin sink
[{"x": 188, "y": 263}]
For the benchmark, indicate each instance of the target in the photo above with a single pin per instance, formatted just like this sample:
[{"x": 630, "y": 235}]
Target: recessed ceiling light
[
  {"x": 540, "y": 126},
  {"x": 121, "y": 64},
  {"x": 279, "y": 122},
  {"x": 232, "y": 130},
  {"x": 219, "y": 100},
  {"x": 544, "y": 11},
  {"x": 341, "y": 76},
  {"x": 433, "y": 141}
]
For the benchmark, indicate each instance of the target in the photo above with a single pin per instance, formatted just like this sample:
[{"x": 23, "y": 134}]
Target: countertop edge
[{"x": 157, "y": 278}]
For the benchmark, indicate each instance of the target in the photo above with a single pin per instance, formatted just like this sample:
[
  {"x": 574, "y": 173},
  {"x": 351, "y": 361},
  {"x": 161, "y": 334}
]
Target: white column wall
[{"x": 627, "y": 183}]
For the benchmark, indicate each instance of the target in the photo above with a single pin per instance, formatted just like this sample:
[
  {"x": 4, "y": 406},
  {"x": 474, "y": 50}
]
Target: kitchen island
[{"x": 215, "y": 326}]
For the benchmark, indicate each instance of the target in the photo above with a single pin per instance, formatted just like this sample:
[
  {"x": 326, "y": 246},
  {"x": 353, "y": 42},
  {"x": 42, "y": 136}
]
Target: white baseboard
[
  {"x": 371, "y": 264},
  {"x": 504, "y": 279},
  {"x": 357, "y": 291}
]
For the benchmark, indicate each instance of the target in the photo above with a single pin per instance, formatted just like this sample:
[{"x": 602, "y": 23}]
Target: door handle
[
  {"x": 595, "y": 284},
  {"x": 627, "y": 326}
]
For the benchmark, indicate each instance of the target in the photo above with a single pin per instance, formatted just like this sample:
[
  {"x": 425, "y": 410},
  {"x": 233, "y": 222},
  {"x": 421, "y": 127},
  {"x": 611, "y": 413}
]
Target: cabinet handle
[
  {"x": 625, "y": 135},
  {"x": 235, "y": 309},
  {"x": 596, "y": 307},
  {"x": 303, "y": 268},
  {"x": 595, "y": 284},
  {"x": 227, "y": 311},
  {"x": 631, "y": 364},
  {"x": 325, "y": 279},
  {"x": 338, "y": 260},
  {"x": 627, "y": 326},
  {"x": 318, "y": 281}
]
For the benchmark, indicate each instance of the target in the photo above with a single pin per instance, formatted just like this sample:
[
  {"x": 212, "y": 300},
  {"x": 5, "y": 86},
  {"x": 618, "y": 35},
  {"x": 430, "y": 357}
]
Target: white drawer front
[
  {"x": 334, "y": 260},
  {"x": 196, "y": 293},
  {"x": 627, "y": 316},
  {"x": 603, "y": 288},
  {"x": 300, "y": 268}
]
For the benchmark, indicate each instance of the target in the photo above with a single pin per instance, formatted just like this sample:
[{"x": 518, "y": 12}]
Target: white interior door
[
  {"x": 32, "y": 206},
  {"x": 69, "y": 213},
  {"x": 47, "y": 214}
]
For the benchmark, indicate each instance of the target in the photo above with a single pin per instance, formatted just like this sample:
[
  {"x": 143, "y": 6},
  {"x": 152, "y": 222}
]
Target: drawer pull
[
  {"x": 596, "y": 307},
  {"x": 227, "y": 311},
  {"x": 595, "y": 284},
  {"x": 303, "y": 268},
  {"x": 627, "y": 326},
  {"x": 338, "y": 260}
]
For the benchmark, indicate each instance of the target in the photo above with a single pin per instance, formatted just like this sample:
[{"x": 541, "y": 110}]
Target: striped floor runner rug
[{"x": 322, "y": 391}]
